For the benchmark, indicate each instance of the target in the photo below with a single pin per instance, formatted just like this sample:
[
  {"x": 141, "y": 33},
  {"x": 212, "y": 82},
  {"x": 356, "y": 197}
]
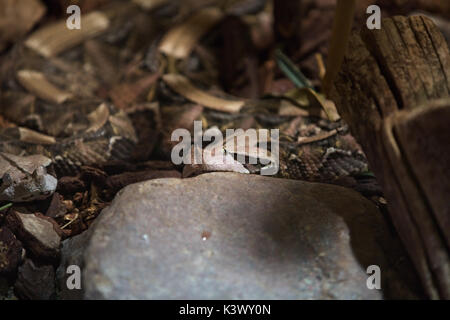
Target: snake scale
[{"x": 81, "y": 122}]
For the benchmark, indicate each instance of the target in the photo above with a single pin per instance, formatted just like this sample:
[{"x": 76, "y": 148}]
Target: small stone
[
  {"x": 35, "y": 282},
  {"x": 37, "y": 234},
  {"x": 25, "y": 179},
  {"x": 57, "y": 208},
  {"x": 10, "y": 252}
]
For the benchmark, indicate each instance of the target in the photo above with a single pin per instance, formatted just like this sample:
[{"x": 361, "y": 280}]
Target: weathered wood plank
[{"x": 393, "y": 90}]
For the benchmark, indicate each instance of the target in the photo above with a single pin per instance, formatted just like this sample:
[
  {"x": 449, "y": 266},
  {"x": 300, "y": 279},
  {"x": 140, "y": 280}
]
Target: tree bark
[{"x": 393, "y": 91}]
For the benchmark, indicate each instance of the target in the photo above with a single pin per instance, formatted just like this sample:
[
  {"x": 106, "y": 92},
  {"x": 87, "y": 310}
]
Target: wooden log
[{"x": 394, "y": 92}]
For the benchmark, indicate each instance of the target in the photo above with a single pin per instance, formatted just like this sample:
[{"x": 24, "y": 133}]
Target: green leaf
[
  {"x": 9, "y": 205},
  {"x": 291, "y": 71}
]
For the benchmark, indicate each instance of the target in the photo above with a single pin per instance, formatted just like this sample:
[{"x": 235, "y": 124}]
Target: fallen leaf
[
  {"x": 17, "y": 17},
  {"x": 37, "y": 83},
  {"x": 184, "y": 87},
  {"x": 150, "y": 4},
  {"x": 53, "y": 39},
  {"x": 180, "y": 40}
]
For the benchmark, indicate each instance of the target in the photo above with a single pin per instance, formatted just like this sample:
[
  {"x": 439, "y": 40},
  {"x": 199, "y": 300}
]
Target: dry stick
[{"x": 342, "y": 27}]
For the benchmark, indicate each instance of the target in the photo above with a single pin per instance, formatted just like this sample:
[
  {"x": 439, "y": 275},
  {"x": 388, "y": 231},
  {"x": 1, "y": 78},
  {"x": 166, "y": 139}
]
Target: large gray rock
[{"x": 236, "y": 236}]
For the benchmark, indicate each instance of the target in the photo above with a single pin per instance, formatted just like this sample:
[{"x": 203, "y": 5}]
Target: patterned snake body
[{"x": 87, "y": 129}]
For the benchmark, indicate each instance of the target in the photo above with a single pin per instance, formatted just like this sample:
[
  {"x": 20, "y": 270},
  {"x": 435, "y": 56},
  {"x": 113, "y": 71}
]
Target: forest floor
[{"x": 101, "y": 105}]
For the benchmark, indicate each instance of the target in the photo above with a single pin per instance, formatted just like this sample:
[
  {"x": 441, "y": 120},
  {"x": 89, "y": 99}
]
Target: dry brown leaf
[
  {"x": 180, "y": 40},
  {"x": 30, "y": 136},
  {"x": 85, "y": 5},
  {"x": 150, "y": 4},
  {"x": 184, "y": 87},
  {"x": 17, "y": 17},
  {"x": 316, "y": 103},
  {"x": 53, "y": 39},
  {"x": 330, "y": 109},
  {"x": 98, "y": 118},
  {"x": 37, "y": 83},
  {"x": 291, "y": 110},
  {"x": 318, "y": 137}
]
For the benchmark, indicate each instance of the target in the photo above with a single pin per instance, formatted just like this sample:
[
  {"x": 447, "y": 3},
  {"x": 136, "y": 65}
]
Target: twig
[{"x": 342, "y": 27}]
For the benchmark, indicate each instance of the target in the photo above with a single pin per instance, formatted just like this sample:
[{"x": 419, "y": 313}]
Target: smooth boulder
[{"x": 238, "y": 236}]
